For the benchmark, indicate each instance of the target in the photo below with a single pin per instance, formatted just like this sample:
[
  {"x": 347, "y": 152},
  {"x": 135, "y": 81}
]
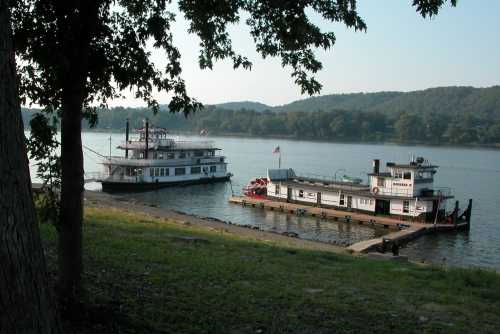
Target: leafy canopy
[{"x": 98, "y": 48}]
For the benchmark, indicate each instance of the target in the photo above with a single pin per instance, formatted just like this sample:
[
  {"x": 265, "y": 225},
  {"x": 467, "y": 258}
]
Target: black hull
[{"x": 113, "y": 187}]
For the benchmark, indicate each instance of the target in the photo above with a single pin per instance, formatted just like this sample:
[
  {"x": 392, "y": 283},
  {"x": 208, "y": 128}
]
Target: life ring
[{"x": 375, "y": 190}]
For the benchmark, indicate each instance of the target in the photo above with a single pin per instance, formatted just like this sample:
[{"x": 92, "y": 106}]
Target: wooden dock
[{"x": 405, "y": 230}]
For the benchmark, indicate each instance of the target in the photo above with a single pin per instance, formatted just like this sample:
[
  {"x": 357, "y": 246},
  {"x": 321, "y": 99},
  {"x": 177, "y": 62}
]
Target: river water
[{"x": 471, "y": 173}]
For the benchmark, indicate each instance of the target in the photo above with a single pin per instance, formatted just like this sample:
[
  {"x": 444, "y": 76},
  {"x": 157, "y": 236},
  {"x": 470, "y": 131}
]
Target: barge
[{"x": 401, "y": 195}]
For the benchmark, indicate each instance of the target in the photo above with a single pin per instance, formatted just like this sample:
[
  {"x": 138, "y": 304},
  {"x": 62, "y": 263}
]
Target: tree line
[{"x": 334, "y": 125}]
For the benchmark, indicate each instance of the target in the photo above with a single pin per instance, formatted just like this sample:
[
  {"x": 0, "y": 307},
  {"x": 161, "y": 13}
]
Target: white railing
[{"x": 163, "y": 162}]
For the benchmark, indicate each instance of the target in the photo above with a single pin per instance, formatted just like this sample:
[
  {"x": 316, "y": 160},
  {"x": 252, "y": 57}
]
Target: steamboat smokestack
[
  {"x": 376, "y": 166},
  {"x": 126, "y": 138},
  {"x": 147, "y": 139}
]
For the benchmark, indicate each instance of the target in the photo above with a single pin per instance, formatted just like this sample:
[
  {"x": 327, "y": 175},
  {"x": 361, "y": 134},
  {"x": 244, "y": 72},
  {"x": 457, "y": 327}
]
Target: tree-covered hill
[
  {"x": 448, "y": 115},
  {"x": 443, "y": 100},
  {"x": 249, "y": 105}
]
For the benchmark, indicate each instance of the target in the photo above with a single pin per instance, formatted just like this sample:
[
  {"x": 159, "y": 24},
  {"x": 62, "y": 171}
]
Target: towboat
[
  {"x": 403, "y": 190},
  {"x": 156, "y": 160}
]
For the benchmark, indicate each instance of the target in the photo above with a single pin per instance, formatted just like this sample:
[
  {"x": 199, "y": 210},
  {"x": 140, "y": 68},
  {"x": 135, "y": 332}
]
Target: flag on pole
[{"x": 276, "y": 150}]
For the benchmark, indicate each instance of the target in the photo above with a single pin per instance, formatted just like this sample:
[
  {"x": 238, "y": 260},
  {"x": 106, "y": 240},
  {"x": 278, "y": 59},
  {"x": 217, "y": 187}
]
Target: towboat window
[
  {"x": 162, "y": 172},
  {"x": 406, "y": 206},
  {"x": 342, "y": 199},
  {"x": 160, "y": 156},
  {"x": 398, "y": 174},
  {"x": 213, "y": 169},
  {"x": 380, "y": 182},
  {"x": 182, "y": 155},
  {"x": 277, "y": 189},
  {"x": 170, "y": 156},
  {"x": 195, "y": 170},
  {"x": 407, "y": 176},
  {"x": 180, "y": 171},
  {"x": 301, "y": 193}
]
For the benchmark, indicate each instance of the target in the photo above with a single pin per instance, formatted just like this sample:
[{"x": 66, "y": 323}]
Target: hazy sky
[{"x": 400, "y": 51}]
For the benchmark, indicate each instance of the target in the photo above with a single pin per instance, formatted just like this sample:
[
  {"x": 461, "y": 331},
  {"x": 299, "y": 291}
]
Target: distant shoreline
[{"x": 495, "y": 146}]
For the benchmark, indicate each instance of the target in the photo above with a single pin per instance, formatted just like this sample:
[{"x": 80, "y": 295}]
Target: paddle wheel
[{"x": 256, "y": 188}]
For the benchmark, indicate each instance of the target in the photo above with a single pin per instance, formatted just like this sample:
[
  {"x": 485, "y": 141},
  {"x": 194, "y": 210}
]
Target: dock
[{"x": 404, "y": 230}]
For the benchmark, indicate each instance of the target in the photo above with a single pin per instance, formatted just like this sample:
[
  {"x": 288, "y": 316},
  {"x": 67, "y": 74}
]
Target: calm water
[{"x": 471, "y": 173}]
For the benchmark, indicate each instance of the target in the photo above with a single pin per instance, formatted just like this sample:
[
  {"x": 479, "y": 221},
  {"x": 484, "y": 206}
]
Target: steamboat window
[
  {"x": 213, "y": 169},
  {"x": 160, "y": 156},
  {"x": 406, "y": 206},
  {"x": 277, "y": 189},
  {"x": 195, "y": 170},
  {"x": 151, "y": 172},
  {"x": 180, "y": 171},
  {"x": 162, "y": 171},
  {"x": 301, "y": 193},
  {"x": 157, "y": 172},
  {"x": 407, "y": 176},
  {"x": 182, "y": 155},
  {"x": 139, "y": 171},
  {"x": 342, "y": 199},
  {"x": 198, "y": 153},
  {"x": 380, "y": 182},
  {"x": 170, "y": 156},
  {"x": 167, "y": 171}
]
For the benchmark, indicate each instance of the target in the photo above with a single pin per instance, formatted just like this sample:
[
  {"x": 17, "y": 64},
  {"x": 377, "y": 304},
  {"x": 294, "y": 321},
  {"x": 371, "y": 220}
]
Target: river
[{"x": 471, "y": 173}]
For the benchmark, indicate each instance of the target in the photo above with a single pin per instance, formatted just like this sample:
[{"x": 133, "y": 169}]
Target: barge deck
[{"x": 405, "y": 230}]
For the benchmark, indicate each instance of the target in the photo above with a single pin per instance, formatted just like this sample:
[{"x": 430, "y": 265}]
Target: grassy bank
[{"x": 152, "y": 275}]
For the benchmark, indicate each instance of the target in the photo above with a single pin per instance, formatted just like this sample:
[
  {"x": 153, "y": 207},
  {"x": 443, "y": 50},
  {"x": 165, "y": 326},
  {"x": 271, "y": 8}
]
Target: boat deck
[{"x": 405, "y": 230}]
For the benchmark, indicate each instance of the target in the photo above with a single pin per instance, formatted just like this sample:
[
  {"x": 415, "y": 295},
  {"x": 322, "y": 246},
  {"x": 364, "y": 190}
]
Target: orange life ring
[{"x": 375, "y": 190}]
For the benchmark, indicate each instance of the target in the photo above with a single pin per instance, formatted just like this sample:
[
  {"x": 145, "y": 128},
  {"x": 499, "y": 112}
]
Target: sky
[{"x": 400, "y": 51}]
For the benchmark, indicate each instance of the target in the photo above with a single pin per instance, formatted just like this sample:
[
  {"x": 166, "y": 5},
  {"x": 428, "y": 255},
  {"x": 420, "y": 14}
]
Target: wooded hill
[{"x": 448, "y": 115}]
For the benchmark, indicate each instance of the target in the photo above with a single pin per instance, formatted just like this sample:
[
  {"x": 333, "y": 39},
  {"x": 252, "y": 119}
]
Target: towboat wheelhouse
[
  {"x": 403, "y": 190},
  {"x": 154, "y": 160}
]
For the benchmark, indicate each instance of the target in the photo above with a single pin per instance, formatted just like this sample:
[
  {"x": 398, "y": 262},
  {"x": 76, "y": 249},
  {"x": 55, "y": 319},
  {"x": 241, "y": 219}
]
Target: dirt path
[{"x": 104, "y": 200}]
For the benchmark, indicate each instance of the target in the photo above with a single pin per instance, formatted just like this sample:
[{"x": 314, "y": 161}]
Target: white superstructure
[
  {"x": 405, "y": 190},
  {"x": 154, "y": 160}
]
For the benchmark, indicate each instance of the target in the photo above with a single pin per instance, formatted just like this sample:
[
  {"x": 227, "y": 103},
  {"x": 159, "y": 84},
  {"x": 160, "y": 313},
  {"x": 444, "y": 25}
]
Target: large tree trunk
[
  {"x": 71, "y": 215},
  {"x": 25, "y": 302}
]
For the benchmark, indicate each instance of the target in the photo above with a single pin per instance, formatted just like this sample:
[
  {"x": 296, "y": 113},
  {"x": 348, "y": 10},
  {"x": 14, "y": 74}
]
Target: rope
[{"x": 95, "y": 152}]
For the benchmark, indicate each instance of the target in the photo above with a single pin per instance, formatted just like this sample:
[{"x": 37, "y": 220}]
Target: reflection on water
[
  {"x": 211, "y": 200},
  {"x": 471, "y": 173}
]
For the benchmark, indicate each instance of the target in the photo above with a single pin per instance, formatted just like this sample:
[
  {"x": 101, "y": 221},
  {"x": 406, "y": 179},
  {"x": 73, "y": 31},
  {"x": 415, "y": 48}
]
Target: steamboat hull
[{"x": 114, "y": 187}]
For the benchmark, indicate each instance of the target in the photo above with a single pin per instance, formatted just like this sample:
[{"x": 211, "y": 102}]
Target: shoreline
[
  {"x": 491, "y": 146},
  {"x": 99, "y": 199}
]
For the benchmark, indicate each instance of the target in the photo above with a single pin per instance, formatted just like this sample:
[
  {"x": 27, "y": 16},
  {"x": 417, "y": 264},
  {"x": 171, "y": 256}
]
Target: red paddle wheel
[{"x": 256, "y": 188}]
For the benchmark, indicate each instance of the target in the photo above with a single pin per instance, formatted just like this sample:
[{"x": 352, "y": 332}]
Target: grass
[{"x": 155, "y": 280}]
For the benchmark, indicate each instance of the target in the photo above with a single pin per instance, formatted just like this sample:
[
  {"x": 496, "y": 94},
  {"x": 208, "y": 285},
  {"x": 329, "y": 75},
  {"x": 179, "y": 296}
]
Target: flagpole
[{"x": 279, "y": 160}]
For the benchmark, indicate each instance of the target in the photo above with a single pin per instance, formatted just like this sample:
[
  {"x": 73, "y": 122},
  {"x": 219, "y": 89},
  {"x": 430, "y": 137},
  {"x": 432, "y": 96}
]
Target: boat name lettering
[{"x": 401, "y": 184}]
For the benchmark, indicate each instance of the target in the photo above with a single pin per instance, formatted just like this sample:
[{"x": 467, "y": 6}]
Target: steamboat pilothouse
[{"x": 155, "y": 161}]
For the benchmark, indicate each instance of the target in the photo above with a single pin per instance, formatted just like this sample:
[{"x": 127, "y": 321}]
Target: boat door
[
  {"x": 382, "y": 206},
  {"x": 288, "y": 194},
  {"x": 318, "y": 199},
  {"x": 349, "y": 202}
]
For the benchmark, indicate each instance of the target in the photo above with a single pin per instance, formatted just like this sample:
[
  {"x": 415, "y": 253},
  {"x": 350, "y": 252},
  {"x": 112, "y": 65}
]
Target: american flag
[{"x": 276, "y": 150}]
